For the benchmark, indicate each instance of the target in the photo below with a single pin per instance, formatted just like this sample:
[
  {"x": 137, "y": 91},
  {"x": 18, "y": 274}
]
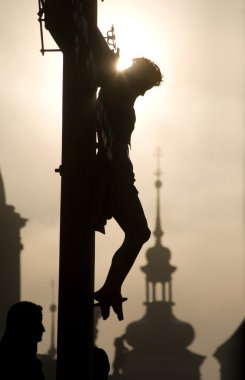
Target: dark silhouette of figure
[
  {"x": 18, "y": 347},
  {"x": 120, "y": 354},
  {"x": 101, "y": 364},
  {"x": 115, "y": 194}
]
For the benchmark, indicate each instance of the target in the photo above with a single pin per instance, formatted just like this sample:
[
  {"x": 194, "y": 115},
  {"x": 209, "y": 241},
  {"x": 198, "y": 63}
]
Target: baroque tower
[
  {"x": 159, "y": 340},
  {"x": 10, "y": 247}
]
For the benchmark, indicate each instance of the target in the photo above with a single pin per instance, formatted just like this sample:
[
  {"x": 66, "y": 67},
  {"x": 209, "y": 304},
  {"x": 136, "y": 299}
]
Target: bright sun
[
  {"x": 132, "y": 38},
  {"x": 124, "y": 62},
  {"x": 133, "y": 46}
]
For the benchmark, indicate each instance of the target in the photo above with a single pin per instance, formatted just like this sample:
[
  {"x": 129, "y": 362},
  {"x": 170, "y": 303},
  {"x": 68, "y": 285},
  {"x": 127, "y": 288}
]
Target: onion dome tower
[
  {"x": 10, "y": 247},
  {"x": 159, "y": 340}
]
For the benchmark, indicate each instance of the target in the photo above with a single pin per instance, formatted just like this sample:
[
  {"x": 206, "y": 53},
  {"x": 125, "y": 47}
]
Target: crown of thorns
[{"x": 154, "y": 70}]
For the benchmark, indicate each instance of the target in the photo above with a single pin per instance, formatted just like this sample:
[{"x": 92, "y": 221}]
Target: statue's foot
[{"x": 107, "y": 300}]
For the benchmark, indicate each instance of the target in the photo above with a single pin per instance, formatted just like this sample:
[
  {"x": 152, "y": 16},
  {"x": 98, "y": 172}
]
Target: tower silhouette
[
  {"x": 10, "y": 248},
  {"x": 52, "y": 350},
  {"x": 231, "y": 355},
  {"x": 49, "y": 359},
  {"x": 159, "y": 340}
]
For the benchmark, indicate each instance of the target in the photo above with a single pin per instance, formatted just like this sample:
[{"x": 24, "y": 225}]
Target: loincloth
[{"x": 108, "y": 183}]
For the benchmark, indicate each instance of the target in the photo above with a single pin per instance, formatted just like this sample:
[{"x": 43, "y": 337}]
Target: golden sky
[{"x": 197, "y": 119}]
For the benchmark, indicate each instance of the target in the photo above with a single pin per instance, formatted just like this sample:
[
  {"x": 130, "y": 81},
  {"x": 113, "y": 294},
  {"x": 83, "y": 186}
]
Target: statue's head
[{"x": 144, "y": 74}]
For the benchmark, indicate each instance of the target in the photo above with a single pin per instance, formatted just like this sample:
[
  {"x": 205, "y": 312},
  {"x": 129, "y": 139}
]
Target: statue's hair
[{"x": 150, "y": 68}]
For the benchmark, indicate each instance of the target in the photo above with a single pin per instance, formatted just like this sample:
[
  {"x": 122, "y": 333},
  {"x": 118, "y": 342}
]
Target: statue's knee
[
  {"x": 138, "y": 236},
  {"x": 145, "y": 235}
]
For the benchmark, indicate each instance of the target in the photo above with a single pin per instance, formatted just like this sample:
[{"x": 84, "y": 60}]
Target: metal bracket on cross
[
  {"x": 111, "y": 40},
  {"x": 41, "y": 19}
]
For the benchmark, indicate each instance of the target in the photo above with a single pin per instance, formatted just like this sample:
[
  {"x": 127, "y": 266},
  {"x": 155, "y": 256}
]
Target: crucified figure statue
[{"x": 114, "y": 192}]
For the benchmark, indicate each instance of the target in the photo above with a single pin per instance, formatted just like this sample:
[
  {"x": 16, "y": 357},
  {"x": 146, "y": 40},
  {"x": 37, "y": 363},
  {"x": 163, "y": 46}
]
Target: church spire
[
  {"x": 53, "y": 308},
  {"x": 158, "y": 184},
  {"x": 158, "y": 270}
]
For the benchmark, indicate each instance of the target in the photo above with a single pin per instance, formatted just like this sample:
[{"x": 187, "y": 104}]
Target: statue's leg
[{"x": 130, "y": 216}]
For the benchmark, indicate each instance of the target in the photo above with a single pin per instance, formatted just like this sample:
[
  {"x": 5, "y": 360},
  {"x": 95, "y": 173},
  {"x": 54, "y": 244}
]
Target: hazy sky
[{"x": 197, "y": 119}]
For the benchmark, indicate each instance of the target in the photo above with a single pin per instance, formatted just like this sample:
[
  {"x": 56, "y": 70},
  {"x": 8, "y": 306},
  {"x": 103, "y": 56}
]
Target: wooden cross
[{"x": 73, "y": 25}]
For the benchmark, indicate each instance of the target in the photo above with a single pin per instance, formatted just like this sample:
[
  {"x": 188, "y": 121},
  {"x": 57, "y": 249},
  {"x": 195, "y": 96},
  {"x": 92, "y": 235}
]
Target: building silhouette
[
  {"x": 231, "y": 355},
  {"x": 10, "y": 249},
  {"x": 159, "y": 340},
  {"x": 10, "y": 274}
]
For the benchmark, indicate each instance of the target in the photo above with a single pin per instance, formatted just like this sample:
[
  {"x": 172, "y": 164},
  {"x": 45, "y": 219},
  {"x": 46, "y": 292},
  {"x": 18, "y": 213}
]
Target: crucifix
[{"x": 89, "y": 63}]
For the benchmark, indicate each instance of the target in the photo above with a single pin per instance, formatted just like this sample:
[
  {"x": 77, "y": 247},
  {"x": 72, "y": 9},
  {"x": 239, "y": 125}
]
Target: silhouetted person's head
[
  {"x": 24, "y": 321},
  {"x": 18, "y": 347},
  {"x": 143, "y": 74}
]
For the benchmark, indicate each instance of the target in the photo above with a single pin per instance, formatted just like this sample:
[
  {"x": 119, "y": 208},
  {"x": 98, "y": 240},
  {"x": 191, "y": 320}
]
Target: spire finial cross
[{"x": 158, "y": 155}]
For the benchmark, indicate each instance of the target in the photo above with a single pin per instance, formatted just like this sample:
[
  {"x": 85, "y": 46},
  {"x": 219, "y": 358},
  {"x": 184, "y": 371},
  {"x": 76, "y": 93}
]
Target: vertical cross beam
[{"x": 71, "y": 23}]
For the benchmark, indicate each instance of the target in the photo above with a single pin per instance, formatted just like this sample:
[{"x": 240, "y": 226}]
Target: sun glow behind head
[{"x": 124, "y": 62}]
